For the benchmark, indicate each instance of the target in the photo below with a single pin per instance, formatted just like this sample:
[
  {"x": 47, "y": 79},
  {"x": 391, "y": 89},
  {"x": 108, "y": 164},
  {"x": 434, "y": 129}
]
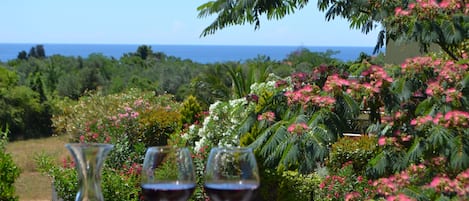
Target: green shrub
[
  {"x": 344, "y": 184},
  {"x": 190, "y": 110},
  {"x": 131, "y": 121},
  {"x": 9, "y": 172},
  {"x": 156, "y": 125},
  {"x": 287, "y": 185},
  {"x": 355, "y": 150}
]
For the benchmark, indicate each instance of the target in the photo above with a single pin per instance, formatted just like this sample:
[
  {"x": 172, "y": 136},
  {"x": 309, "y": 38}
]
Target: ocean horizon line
[{"x": 196, "y": 53}]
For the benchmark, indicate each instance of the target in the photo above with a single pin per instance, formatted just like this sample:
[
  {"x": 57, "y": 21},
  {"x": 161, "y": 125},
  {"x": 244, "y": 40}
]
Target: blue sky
[{"x": 161, "y": 22}]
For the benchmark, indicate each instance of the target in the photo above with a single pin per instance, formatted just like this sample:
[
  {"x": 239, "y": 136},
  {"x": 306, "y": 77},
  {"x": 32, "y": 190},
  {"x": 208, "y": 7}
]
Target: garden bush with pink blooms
[
  {"x": 131, "y": 121},
  {"x": 417, "y": 111}
]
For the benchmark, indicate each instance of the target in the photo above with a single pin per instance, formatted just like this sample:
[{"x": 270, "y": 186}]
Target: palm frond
[
  {"x": 416, "y": 150},
  {"x": 274, "y": 141},
  {"x": 439, "y": 136},
  {"x": 321, "y": 140},
  {"x": 290, "y": 155},
  {"x": 351, "y": 107},
  {"x": 274, "y": 157},
  {"x": 321, "y": 136},
  {"x": 416, "y": 192},
  {"x": 459, "y": 159},
  {"x": 378, "y": 164},
  {"x": 402, "y": 88},
  {"x": 247, "y": 124},
  {"x": 426, "y": 107}
]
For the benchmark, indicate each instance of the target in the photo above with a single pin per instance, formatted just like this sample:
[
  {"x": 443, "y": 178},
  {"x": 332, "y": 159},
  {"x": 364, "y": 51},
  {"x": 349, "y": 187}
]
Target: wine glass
[
  {"x": 167, "y": 174},
  {"x": 231, "y": 174}
]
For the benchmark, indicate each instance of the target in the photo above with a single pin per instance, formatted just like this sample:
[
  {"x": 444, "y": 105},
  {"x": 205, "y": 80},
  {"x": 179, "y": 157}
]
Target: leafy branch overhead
[
  {"x": 444, "y": 23},
  {"x": 238, "y": 12},
  {"x": 364, "y": 15}
]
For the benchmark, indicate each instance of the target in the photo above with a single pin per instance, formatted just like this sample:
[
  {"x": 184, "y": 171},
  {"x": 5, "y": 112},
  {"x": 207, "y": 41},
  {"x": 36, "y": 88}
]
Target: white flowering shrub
[{"x": 219, "y": 128}]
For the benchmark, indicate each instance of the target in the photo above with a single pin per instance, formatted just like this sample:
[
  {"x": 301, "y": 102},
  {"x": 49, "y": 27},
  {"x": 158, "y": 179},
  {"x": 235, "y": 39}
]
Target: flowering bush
[
  {"x": 219, "y": 128},
  {"x": 345, "y": 184},
  {"x": 430, "y": 118},
  {"x": 424, "y": 181},
  {"x": 442, "y": 22},
  {"x": 355, "y": 151},
  {"x": 131, "y": 121}
]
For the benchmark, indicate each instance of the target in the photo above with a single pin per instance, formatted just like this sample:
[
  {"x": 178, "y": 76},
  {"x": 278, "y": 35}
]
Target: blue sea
[{"x": 196, "y": 53}]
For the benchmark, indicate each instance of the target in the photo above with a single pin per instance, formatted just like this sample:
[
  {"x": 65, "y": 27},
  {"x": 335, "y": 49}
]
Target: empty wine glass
[
  {"x": 231, "y": 174},
  {"x": 167, "y": 174}
]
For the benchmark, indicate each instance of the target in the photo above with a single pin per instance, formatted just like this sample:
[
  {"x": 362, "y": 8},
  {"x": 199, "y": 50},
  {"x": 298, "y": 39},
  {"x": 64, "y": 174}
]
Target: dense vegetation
[
  {"x": 293, "y": 113},
  {"x": 9, "y": 171},
  {"x": 33, "y": 85}
]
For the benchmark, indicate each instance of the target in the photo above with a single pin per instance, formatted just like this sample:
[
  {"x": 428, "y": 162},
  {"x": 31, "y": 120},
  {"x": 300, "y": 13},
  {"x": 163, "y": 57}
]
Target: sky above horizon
[{"x": 162, "y": 22}]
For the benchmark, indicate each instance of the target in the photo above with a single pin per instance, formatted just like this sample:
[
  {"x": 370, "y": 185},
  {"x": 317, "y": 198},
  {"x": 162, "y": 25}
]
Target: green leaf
[
  {"x": 439, "y": 137},
  {"x": 290, "y": 156},
  {"x": 416, "y": 150},
  {"x": 402, "y": 89},
  {"x": 274, "y": 140},
  {"x": 451, "y": 33},
  {"x": 379, "y": 163},
  {"x": 459, "y": 153},
  {"x": 426, "y": 107}
]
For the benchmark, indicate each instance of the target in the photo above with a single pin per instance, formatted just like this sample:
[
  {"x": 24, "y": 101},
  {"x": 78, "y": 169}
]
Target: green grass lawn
[{"x": 32, "y": 185}]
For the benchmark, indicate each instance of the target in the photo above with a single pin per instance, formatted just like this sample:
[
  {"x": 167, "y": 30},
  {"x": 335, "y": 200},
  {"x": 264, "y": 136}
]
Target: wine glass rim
[
  {"x": 86, "y": 144},
  {"x": 166, "y": 147},
  {"x": 236, "y": 149}
]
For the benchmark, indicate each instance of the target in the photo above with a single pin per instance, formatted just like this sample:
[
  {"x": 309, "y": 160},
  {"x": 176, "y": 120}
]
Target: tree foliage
[
  {"x": 444, "y": 23},
  {"x": 245, "y": 11}
]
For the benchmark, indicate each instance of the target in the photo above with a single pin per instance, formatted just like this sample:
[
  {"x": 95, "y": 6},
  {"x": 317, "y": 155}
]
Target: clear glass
[
  {"x": 167, "y": 174},
  {"x": 231, "y": 174},
  {"x": 89, "y": 159}
]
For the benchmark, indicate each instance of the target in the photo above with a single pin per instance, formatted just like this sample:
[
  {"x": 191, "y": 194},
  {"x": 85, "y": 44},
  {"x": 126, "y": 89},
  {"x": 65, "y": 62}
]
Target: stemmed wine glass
[
  {"x": 167, "y": 174},
  {"x": 231, "y": 174}
]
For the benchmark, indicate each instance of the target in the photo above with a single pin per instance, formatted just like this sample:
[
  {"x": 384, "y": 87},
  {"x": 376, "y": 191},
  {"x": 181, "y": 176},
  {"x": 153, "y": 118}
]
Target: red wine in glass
[
  {"x": 231, "y": 174},
  {"x": 230, "y": 191},
  {"x": 167, "y": 191},
  {"x": 167, "y": 174}
]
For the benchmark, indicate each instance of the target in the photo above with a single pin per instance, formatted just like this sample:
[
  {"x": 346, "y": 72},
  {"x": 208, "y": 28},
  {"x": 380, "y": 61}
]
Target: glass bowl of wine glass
[
  {"x": 231, "y": 174},
  {"x": 167, "y": 174}
]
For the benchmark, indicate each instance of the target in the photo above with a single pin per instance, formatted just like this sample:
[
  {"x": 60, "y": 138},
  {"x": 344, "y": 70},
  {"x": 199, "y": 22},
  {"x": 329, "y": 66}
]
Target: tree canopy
[{"x": 449, "y": 30}]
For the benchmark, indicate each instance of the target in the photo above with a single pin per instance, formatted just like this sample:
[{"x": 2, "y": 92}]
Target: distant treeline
[{"x": 32, "y": 84}]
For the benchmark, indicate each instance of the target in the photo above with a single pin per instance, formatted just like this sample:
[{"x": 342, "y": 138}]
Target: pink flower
[
  {"x": 280, "y": 83},
  {"x": 134, "y": 115},
  {"x": 138, "y": 102},
  {"x": 297, "y": 128},
  {"x": 406, "y": 138},
  {"x": 108, "y": 139},
  {"x": 382, "y": 141},
  {"x": 435, "y": 182},
  {"x": 269, "y": 116},
  {"x": 397, "y": 11},
  {"x": 123, "y": 115},
  {"x": 399, "y": 197},
  {"x": 351, "y": 196},
  {"x": 444, "y": 3},
  {"x": 127, "y": 109}
]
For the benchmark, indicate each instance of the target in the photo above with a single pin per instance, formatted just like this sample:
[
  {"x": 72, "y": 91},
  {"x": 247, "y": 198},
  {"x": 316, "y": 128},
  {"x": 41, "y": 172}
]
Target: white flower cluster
[{"x": 220, "y": 128}]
